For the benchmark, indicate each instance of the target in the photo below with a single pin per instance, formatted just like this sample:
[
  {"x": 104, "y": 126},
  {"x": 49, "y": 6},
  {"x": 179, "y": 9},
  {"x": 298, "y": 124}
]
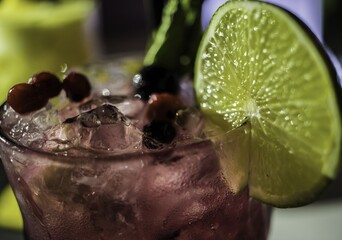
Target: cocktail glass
[{"x": 177, "y": 192}]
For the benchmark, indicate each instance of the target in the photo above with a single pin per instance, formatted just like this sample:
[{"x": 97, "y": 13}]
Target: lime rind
[{"x": 256, "y": 62}]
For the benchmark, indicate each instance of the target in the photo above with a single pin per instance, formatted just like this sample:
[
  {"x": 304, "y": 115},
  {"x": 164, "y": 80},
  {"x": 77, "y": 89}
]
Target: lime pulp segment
[{"x": 257, "y": 63}]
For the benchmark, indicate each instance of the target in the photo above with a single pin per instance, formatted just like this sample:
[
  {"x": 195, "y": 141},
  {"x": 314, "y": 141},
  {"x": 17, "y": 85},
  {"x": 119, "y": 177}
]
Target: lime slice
[
  {"x": 259, "y": 64},
  {"x": 231, "y": 145}
]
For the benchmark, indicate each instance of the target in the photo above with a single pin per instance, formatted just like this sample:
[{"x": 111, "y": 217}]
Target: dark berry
[
  {"x": 48, "y": 84},
  {"x": 157, "y": 133},
  {"x": 25, "y": 98},
  {"x": 163, "y": 106},
  {"x": 76, "y": 86},
  {"x": 154, "y": 79}
]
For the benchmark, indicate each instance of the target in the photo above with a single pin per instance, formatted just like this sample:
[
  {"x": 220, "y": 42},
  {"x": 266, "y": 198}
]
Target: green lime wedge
[
  {"x": 231, "y": 145},
  {"x": 259, "y": 64}
]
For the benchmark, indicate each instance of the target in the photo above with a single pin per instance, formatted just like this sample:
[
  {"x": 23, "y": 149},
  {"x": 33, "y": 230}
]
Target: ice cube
[
  {"x": 130, "y": 107},
  {"x": 103, "y": 128},
  {"x": 102, "y": 115},
  {"x": 45, "y": 119},
  {"x": 191, "y": 122},
  {"x": 28, "y": 129}
]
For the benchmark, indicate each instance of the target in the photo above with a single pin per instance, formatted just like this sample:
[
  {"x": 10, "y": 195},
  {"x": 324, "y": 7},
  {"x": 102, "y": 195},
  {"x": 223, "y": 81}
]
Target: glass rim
[
  {"x": 95, "y": 155},
  {"x": 100, "y": 154}
]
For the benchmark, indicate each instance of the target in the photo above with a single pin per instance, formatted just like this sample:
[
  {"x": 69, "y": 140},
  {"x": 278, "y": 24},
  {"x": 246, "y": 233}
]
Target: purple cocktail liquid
[{"x": 87, "y": 171}]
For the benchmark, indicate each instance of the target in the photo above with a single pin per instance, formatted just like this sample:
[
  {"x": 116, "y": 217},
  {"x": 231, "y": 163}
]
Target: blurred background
[
  {"x": 83, "y": 31},
  {"x": 137, "y": 32}
]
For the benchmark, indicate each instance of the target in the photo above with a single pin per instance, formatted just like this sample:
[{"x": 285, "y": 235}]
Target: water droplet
[{"x": 105, "y": 92}]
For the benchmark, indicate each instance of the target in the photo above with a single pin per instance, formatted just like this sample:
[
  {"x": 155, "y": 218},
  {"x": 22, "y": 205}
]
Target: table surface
[{"x": 313, "y": 222}]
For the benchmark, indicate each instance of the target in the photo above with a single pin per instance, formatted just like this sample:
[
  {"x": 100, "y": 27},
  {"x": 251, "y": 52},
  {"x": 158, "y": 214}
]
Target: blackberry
[
  {"x": 155, "y": 79},
  {"x": 158, "y": 133}
]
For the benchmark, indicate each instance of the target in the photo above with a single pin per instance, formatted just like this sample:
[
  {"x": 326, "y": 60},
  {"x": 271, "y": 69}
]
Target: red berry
[
  {"x": 163, "y": 106},
  {"x": 25, "y": 98},
  {"x": 47, "y": 83},
  {"x": 76, "y": 86}
]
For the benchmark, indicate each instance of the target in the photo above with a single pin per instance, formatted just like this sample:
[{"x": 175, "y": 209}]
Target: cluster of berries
[
  {"x": 153, "y": 84},
  {"x": 159, "y": 87},
  {"x": 28, "y": 97}
]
